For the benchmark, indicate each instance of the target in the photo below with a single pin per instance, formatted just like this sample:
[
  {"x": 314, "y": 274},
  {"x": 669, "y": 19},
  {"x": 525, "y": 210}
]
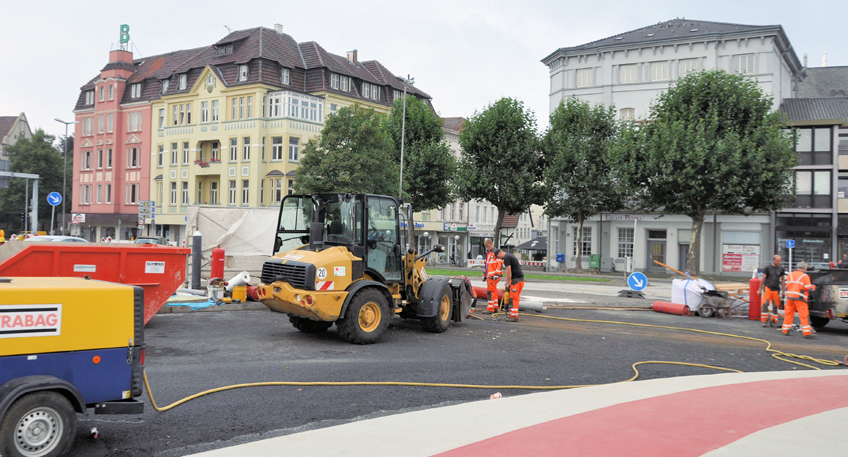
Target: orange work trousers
[
  {"x": 515, "y": 298},
  {"x": 492, "y": 295},
  {"x": 803, "y": 313},
  {"x": 770, "y": 313}
]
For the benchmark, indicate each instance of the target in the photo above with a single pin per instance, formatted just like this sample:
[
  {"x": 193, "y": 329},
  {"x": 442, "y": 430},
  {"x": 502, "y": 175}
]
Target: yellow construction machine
[{"x": 339, "y": 258}]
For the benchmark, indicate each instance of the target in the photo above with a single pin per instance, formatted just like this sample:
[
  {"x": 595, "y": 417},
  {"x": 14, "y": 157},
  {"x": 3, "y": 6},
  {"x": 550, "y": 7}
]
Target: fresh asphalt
[{"x": 191, "y": 352}]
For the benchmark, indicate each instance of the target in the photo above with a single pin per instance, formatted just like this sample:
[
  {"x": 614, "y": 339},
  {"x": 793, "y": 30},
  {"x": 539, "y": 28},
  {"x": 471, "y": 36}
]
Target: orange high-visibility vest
[
  {"x": 797, "y": 285},
  {"x": 494, "y": 265}
]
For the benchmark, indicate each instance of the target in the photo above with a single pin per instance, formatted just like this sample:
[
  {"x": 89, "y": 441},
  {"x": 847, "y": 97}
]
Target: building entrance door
[
  {"x": 656, "y": 250},
  {"x": 682, "y": 256}
]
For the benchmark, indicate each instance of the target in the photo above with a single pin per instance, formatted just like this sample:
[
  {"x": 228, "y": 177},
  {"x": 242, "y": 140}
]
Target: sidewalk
[{"x": 723, "y": 414}]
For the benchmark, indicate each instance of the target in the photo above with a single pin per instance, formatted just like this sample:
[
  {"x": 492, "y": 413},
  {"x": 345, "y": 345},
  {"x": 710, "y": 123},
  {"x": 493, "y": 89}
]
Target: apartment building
[{"x": 12, "y": 129}]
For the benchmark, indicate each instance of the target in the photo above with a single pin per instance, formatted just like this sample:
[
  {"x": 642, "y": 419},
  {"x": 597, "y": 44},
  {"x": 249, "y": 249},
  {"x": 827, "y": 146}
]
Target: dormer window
[
  {"x": 224, "y": 50},
  {"x": 398, "y": 94},
  {"x": 135, "y": 90},
  {"x": 366, "y": 90},
  {"x": 345, "y": 84},
  {"x": 334, "y": 81},
  {"x": 183, "y": 81},
  {"x": 165, "y": 84},
  {"x": 89, "y": 97},
  {"x": 284, "y": 76},
  {"x": 242, "y": 73}
]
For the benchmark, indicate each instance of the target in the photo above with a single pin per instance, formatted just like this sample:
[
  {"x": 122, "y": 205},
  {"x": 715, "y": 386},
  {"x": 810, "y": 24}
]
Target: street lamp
[
  {"x": 409, "y": 81},
  {"x": 64, "y": 170}
]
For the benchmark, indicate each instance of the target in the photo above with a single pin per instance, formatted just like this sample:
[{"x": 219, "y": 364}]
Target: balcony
[{"x": 202, "y": 163}]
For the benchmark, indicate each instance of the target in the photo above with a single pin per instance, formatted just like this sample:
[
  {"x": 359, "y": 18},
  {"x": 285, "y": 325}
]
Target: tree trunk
[
  {"x": 579, "y": 241},
  {"x": 693, "y": 261},
  {"x": 496, "y": 239}
]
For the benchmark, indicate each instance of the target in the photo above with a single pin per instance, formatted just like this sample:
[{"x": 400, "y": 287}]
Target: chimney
[
  {"x": 278, "y": 28},
  {"x": 824, "y": 59},
  {"x": 805, "y": 60},
  {"x": 352, "y": 56},
  {"x": 119, "y": 55}
]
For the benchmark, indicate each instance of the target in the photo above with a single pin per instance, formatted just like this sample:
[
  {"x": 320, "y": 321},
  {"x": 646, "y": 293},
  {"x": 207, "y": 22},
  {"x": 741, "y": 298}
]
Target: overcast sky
[{"x": 466, "y": 54}]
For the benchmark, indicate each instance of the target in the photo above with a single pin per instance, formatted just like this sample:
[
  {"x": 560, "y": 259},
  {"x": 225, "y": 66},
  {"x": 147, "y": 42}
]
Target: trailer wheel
[
  {"x": 366, "y": 318},
  {"x": 819, "y": 321},
  {"x": 441, "y": 321},
  {"x": 40, "y": 424},
  {"x": 308, "y": 325}
]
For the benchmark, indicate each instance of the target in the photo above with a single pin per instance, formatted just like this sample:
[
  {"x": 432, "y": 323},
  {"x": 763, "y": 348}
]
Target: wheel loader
[{"x": 339, "y": 258}]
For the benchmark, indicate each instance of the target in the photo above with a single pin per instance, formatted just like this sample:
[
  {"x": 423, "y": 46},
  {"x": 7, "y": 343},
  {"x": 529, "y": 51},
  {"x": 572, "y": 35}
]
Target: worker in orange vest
[
  {"x": 514, "y": 282},
  {"x": 492, "y": 273},
  {"x": 797, "y": 286}
]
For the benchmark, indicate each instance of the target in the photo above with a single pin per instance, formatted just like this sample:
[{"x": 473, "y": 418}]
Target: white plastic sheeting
[
  {"x": 245, "y": 234},
  {"x": 688, "y": 292}
]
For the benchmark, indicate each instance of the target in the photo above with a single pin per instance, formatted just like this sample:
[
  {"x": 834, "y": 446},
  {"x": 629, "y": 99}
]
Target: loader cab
[{"x": 367, "y": 225}]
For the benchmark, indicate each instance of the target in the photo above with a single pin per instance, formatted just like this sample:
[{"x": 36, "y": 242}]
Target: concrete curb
[{"x": 246, "y": 306}]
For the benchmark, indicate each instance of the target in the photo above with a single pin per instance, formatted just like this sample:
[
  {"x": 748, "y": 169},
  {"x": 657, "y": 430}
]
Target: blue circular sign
[
  {"x": 54, "y": 198},
  {"x": 637, "y": 280}
]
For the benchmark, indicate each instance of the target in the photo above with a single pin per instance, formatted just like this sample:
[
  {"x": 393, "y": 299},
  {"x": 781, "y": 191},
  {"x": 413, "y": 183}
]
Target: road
[{"x": 192, "y": 352}]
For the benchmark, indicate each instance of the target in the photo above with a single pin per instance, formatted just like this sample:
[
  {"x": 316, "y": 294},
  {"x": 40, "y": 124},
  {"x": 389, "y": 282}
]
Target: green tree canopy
[
  {"x": 429, "y": 165},
  {"x": 577, "y": 149},
  {"x": 500, "y": 161},
  {"x": 354, "y": 153},
  {"x": 712, "y": 144},
  {"x": 34, "y": 155}
]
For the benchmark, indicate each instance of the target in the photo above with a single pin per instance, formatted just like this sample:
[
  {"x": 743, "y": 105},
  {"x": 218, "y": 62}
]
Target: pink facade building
[{"x": 111, "y": 152}]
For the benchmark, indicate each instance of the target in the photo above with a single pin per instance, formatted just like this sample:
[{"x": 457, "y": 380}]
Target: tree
[
  {"x": 353, "y": 154},
  {"x": 34, "y": 155},
  {"x": 429, "y": 165},
  {"x": 500, "y": 161},
  {"x": 577, "y": 149},
  {"x": 711, "y": 144}
]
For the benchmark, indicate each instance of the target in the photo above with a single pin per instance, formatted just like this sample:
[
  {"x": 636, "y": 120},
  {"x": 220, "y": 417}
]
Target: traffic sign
[
  {"x": 637, "y": 280},
  {"x": 54, "y": 198},
  {"x": 790, "y": 244},
  {"x": 141, "y": 221}
]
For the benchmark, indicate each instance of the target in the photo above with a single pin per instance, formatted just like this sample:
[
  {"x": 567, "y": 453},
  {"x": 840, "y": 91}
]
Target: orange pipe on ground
[{"x": 670, "y": 308}]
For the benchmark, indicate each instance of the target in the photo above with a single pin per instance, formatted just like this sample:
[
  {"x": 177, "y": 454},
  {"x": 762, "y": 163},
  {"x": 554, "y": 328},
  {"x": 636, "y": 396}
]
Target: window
[
  {"x": 99, "y": 158},
  {"x": 100, "y": 124},
  {"x": 242, "y": 75},
  {"x": 214, "y": 110},
  {"x": 133, "y": 158},
  {"x": 173, "y": 192},
  {"x": 204, "y": 111},
  {"x": 102, "y": 91},
  {"x": 89, "y": 97},
  {"x": 262, "y": 192},
  {"x": 85, "y": 197},
  {"x": 199, "y": 192},
  {"x": 215, "y": 152},
  {"x": 250, "y": 107},
  {"x": 161, "y": 155},
  {"x": 234, "y": 109},
  {"x": 134, "y": 122},
  {"x": 686, "y": 66},
  {"x": 188, "y": 113},
  {"x": 366, "y": 90},
  {"x": 743, "y": 63},
  {"x": 185, "y": 152},
  {"x": 375, "y": 92},
  {"x": 334, "y": 81},
  {"x": 284, "y": 76},
  {"x": 659, "y": 71},
  {"x": 132, "y": 194},
  {"x": 626, "y": 114},
  {"x": 294, "y": 149},
  {"x": 245, "y": 149},
  {"x": 165, "y": 84},
  {"x": 183, "y": 81},
  {"x": 625, "y": 242},
  {"x": 476, "y": 214},
  {"x": 174, "y": 153},
  {"x": 345, "y": 84},
  {"x": 813, "y": 146},
  {"x": 485, "y": 209},
  {"x": 111, "y": 92},
  {"x": 109, "y": 158},
  {"x": 276, "y": 190},
  {"x": 224, "y": 50},
  {"x": 182, "y": 114},
  {"x": 108, "y": 193},
  {"x": 161, "y": 119},
  {"x": 185, "y": 192},
  {"x": 263, "y": 148},
  {"x": 291, "y": 186},
  {"x": 628, "y": 74},
  {"x": 110, "y": 123},
  {"x": 86, "y": 160},
  {"x": 241, "y": 108},
  {"x": 277, "y": 148},
  {"x": 135, "y": 90},
  {"x": 584, "y": 77},
  {"x": 213, "y": 193},
  {"x": 176, "y": 119},
  {"x": 813, "y": 189},
  {"x": 586, "y": 248},
  {"x": 245, "y": 191},
  {"x": 232, "y": 192},
  {"x": 397, "y": 94},
  {"x": 86, "y": 126},
  {"x": 233, "y": 149}
]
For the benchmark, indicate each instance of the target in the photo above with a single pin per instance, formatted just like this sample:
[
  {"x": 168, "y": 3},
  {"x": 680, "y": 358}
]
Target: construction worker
[
  {"x": 493, "y": 270},
  {"x": 797, "y": 286},
  {"x": 771, "y": 289},
  {"x": 514, "y": 281}
]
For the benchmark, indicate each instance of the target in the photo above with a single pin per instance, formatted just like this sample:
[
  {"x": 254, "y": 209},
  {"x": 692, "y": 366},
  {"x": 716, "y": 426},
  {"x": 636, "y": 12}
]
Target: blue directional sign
[
  {"x": 790, "y": 244},
  {"x": 637, "y": 281},
  {"x": 54, "y": 198}
]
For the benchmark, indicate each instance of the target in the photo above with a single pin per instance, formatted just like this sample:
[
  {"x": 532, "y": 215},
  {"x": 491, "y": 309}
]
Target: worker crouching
[
  {"x": 514, "y": 282},
  {"x": 797, "y": 287}
]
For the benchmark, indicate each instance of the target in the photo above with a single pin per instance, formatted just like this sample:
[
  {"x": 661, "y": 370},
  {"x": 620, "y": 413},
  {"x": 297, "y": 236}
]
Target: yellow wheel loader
[{"x": 338, "y": 258}]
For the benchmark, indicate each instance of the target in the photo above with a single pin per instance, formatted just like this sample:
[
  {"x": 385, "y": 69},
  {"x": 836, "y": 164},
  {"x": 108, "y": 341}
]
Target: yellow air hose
[{"x": 775, "y": 353}]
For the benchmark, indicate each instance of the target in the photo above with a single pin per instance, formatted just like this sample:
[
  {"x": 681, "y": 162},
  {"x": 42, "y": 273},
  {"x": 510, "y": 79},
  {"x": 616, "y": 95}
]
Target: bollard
[
  {"x": 754, "y": 307},
  {"x": 196, "y": 259}
]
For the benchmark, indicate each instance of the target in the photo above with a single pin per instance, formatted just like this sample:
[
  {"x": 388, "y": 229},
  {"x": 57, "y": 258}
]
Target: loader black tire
[
  {"x": 366, "y": 318},
  {"x": 308, "y": 325},
  {"x": 441, "y": 321},
  {"x": 40, "y": 424},
  {"x": 818, "y": 321}
]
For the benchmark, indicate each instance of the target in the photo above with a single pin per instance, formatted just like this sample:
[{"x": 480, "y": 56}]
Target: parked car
[
  {"x": 152, "y": 240},
  {"x": 56, "y": 239}
]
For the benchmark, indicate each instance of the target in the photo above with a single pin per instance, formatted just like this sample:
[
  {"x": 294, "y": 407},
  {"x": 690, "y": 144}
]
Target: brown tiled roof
[
  {"x": 510, "y": 221},
  {"x": 6, "y": 124},
  {"x": 453, "y": 123}
]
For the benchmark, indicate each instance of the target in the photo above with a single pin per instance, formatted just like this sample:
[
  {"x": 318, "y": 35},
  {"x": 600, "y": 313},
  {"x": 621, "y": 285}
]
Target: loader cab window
[
  {"x": 293, "y": 228},
  {"x": 343, "y": 221},
  {"x": 383, "y": 241}
]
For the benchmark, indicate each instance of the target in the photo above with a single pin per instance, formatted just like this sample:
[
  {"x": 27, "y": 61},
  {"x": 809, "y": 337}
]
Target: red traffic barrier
[
  {"x": 754, "y": 306},
  {"x": 671, "y": 308}
]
